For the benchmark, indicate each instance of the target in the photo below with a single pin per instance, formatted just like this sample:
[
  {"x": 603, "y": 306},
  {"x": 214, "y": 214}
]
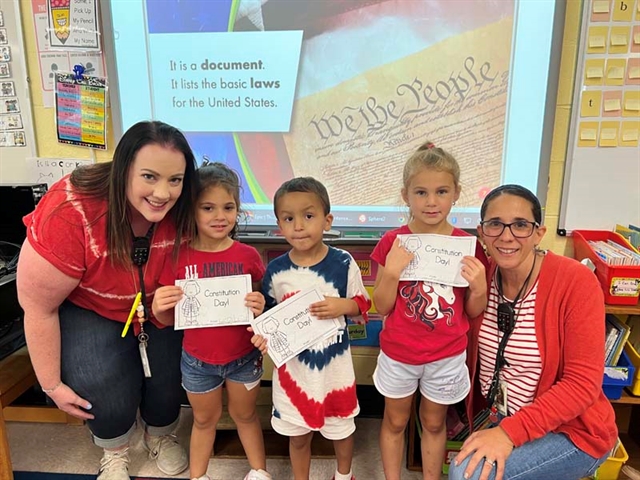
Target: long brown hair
[{"x": 109, "y": 180}]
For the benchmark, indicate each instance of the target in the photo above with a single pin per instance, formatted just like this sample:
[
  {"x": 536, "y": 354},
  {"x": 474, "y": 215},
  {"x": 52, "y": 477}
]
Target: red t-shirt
[
  {"x": 427, "y": 322},
  {"x": 216, "y": 345},
  {"x": 69, "y": 230}
]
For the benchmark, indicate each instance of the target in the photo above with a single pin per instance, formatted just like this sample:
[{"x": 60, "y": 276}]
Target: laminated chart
[{"x": 81, "y": 110}]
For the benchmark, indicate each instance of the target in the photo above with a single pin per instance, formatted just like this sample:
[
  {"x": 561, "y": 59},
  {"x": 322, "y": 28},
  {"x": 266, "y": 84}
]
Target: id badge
[{"x": 501, "y": 399}]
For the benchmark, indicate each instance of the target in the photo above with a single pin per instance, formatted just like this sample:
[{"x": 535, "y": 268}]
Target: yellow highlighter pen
[{"x": 136, "y": 302}]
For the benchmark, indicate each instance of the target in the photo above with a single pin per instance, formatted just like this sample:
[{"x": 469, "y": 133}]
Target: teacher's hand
[
  {"x": 488, "y": 449},
  {"x": 70, "y": 402}
]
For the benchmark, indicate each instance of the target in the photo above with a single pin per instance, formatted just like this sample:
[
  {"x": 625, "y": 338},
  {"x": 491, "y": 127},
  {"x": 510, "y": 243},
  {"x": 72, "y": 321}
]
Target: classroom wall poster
[
  {"x": 81, "y": 110},
  {"x": 50, "y": 170},
  {"x": 73, "y": 25},
  {"x": 52, "y": 61}
]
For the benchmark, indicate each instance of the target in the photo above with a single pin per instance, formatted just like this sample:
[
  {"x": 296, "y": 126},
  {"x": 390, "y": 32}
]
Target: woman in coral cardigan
[{"x": 536, "y": 356}]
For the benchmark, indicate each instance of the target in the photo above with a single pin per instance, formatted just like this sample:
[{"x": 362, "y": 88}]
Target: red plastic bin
[{"x": 621, "y": 284}]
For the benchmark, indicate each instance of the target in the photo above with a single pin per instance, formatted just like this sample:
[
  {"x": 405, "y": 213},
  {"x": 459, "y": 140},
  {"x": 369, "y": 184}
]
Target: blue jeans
[
  {"x": 106, "y": 370},
  {"x": 552, "y": 457},
  {"x": 202, "y": 377}
]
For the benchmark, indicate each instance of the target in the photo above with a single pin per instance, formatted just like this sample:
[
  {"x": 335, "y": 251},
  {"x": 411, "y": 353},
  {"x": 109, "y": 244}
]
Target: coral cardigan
[{"x": 570, "y": 330}]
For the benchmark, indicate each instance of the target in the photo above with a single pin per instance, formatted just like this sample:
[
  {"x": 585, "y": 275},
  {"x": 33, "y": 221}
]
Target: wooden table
[{"x": 16, "y": 377}]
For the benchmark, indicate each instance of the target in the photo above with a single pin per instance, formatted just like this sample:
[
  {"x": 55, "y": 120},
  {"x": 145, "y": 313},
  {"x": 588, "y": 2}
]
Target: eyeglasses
[{"x": 519, "y": 229}]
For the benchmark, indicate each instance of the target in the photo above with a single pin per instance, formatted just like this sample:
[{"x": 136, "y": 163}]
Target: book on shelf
[
  {"x": 615, "y": 254},
  {"x": 616, "y": 336},
  {"x": 631, "y": 233},
  {"x": 633, "y": 322}
]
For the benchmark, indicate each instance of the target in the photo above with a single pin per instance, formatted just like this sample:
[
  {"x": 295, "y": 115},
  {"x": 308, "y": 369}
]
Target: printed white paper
[
  {"x": 213, "y": 302},
  {"x": 289, "y": 327},
  {"x": 437, "y": 258}
]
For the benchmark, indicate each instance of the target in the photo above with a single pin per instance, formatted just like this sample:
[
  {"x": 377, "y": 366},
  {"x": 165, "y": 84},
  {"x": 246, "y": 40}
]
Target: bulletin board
[
  {"x": 602, "y": 174},
  {"x": 16, "y": 122}
]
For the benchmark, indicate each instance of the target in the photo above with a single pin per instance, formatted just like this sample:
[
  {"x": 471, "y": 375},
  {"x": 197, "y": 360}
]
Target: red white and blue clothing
[
  {"x": 427, "y": 322},
  {"x": 216, "y": 345},
  {"x": 319, "y": 383},
  {"x": 522, "y": 373}
]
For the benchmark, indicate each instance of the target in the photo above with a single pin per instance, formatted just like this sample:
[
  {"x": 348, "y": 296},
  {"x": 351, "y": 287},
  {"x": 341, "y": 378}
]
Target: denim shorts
[{"x": 202, "y": 377}]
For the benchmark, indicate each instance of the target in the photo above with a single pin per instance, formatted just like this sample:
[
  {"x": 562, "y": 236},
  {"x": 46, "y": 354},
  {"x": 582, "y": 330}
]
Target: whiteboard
[
  {"x": 601, "y": 184},
  {"x": 13, "y": 165}
]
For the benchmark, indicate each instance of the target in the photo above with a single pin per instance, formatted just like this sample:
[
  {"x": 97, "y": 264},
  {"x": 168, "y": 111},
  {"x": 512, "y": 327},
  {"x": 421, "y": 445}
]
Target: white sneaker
[
  {"x": 203, "y": 477},
  {"x": 170, "y": 457},
  {"x": 257, "y": 475},
  {"x": 114, "y": 465}
]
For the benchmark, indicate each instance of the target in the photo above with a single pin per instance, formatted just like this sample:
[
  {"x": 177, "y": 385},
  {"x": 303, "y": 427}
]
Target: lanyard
[{"x": 506, "y": 324}]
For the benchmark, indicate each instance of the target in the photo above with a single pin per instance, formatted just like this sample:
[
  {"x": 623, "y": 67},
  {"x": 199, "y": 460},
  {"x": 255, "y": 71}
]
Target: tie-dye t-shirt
[
  {"x": 69, "y": 230},
  {"x": 319, "y": 382}
]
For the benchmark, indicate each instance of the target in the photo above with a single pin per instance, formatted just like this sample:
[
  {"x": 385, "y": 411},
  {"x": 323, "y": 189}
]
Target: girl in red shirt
[
  {"x": 423, "y": 342},
  {"x": 221, "y": 355}
]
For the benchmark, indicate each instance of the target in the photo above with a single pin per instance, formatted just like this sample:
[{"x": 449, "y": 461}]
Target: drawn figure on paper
[
  {"x": 429, "y": 302},
  {"x": 277, "y": 340},
  {"x": 45, "y": 178},
  {"x": 412, "y": 244},
  {"x": 191, "y": 305}
]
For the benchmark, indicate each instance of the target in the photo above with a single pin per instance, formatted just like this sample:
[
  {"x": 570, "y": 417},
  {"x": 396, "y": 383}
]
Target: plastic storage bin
[
  {"x": 610, "y": 469},
  {"x": 621, "y": 376},
  {"x": 365, "y": 335},
  {"x": 621, "y": 284},
  {"x": 450, "y": 452},
  {"x": 634, "y": 357}
]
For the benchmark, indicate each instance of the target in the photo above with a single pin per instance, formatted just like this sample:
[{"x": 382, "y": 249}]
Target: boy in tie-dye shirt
[{"x": 316, "y": 390}]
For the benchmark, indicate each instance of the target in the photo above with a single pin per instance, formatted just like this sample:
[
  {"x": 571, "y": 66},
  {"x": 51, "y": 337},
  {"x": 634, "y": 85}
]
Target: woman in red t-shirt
[{"x": 95, "y": 246}]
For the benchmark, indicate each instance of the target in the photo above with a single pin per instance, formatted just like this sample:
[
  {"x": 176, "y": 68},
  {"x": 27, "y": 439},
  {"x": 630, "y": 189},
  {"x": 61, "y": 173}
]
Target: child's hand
[
  {"x": 166, "y": 298},
  {"x": 473, "y": 271},
  {"x": 330, "y": 307},
  {"x": 397, "y": 258},
  {"x": 255, "y": 301},
  {"x": 259, "y": 342}
]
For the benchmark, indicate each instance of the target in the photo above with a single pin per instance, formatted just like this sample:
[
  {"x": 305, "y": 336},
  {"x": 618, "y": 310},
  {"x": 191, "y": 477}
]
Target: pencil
[{"x": 136, "y": 302}]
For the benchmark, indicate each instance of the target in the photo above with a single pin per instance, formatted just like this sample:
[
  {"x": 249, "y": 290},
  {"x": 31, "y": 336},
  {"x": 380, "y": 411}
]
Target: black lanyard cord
[
  {"x": 506, "y": 324},
  {"x": 139, "y": 256}
]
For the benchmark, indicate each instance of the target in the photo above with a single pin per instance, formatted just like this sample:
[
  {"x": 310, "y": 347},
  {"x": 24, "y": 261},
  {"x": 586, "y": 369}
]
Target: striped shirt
[{"x": 522, "y": 374}]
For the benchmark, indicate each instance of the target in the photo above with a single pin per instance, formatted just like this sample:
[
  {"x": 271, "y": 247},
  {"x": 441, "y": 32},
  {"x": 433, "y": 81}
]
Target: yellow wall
[
  {"x": 49, "y": 147},
  {"x": 568, "y": 62}
]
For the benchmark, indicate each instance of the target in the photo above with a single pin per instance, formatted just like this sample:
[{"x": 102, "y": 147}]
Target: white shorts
[
  {"x": 444, "y": 381},
  {"x": 333, "y": 429}
]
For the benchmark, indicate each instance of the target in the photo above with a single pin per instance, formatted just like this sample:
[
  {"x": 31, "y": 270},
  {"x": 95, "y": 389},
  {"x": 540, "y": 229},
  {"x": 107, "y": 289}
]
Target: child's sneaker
[
  {"x": 352, "y": 478},
  {"x": 257, "y": 475},
  {"x": 203, "y": 477}
]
